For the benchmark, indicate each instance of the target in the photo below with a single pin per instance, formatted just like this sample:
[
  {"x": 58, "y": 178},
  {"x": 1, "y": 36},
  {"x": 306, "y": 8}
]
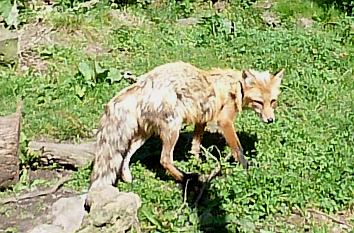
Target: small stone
[
  {"x": 188, "y": 21},
  {"x": 220, "y": 6},
  {"x": 266, "y": 5},
  {"x": 271, "y": 19},
  {"x": 305, "y": 22},
  {"x": 8, "y": 46}
]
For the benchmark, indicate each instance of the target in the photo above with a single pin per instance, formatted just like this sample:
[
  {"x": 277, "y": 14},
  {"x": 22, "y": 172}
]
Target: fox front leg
[
  {"x": 227, "y": 128},
  {"x": 234, "y": 143}
]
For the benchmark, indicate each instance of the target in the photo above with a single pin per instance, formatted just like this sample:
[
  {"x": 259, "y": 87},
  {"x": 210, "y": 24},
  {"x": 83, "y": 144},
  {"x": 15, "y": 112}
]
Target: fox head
[{"x": 261, "y": 90}]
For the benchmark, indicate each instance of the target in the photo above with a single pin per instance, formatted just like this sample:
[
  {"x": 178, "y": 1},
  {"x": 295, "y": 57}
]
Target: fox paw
[
  {"x": 245, "y": 163},
  {"x": 126, "y": 175},
  {"x": 241, "y": 158}
]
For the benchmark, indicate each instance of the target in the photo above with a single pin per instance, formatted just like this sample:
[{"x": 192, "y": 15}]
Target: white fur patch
[
  {"x": 161, "y": 97},
  {"x": 261, "y": 75}
]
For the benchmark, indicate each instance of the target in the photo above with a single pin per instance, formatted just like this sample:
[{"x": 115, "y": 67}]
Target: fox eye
[
  {"x": 273, "y": 102},
  {"x": 258, "y": 102}
]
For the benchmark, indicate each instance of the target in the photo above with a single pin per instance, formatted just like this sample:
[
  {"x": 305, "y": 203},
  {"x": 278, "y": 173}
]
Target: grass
[{"x": 303, "y": 160}]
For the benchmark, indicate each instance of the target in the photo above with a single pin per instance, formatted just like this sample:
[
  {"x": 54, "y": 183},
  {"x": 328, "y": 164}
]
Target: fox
[{"x": 173, "y": 94}]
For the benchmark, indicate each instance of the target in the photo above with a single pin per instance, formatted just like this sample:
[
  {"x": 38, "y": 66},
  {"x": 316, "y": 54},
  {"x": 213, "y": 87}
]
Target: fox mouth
[{"x": 267, "y": 120}]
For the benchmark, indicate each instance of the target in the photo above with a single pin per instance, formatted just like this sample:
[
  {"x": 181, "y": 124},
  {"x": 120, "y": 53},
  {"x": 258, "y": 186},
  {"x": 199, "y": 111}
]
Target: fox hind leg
[
  {"x": 169, "y": 133},
  {"x": 197, "y": 139},
  {"x": 125, "y": 171}
]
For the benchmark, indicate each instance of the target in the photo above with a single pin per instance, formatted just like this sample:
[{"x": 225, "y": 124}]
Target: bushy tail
[{"x": 117, "y": 128}]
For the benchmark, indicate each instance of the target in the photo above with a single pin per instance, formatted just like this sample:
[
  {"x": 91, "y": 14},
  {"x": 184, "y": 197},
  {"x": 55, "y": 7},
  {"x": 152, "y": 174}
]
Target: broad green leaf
[
  {"x": 5, "y": 8},
  {"x": 12, "y": 18},
  {"x": 114, "y": 75},
  {"x": 99, "y": 69},
  {"x": 86, "y": 70}
]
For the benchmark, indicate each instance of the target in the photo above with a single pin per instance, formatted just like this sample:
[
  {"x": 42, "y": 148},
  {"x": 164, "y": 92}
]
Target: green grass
[{"x": 303, "y": 160}]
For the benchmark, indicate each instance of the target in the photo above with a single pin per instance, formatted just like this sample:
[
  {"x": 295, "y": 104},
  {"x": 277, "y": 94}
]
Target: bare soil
[{"x": 23, "y": 215}]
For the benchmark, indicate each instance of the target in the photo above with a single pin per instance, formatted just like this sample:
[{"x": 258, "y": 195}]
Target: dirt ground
[{"x": 23, "y": 215}]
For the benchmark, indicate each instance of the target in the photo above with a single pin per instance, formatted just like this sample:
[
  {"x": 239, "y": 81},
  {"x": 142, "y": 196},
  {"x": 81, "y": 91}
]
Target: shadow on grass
[
  {"x": 343, "y": 5},
  {"x": 212, "y": 218}
]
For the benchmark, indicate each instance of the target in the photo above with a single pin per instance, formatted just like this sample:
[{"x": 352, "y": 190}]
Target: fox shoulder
[{"x": 227, "y": 85}]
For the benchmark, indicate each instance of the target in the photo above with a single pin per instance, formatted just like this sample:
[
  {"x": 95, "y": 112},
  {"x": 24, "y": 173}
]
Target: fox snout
[
  {"x": 266, "y": 115},
  {"x": 268, "y": 119}
]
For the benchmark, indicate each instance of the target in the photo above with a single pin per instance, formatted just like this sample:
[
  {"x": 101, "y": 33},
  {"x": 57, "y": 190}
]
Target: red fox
[{"x": 170, "y": 95}]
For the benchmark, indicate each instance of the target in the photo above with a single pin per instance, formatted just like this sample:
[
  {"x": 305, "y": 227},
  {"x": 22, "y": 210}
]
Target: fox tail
[{"x": 117, "y": 128}]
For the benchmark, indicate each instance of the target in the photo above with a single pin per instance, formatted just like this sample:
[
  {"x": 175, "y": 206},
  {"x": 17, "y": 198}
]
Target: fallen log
[
  {"x": 9, "y": 144},
  {"x": 76, "y": 155}
]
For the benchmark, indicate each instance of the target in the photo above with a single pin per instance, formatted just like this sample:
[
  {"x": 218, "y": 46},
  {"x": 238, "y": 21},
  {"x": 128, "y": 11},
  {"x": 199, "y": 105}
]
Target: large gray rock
[
  {"x": 66, "y": 216},
  {"x": 111, "y": 211}
]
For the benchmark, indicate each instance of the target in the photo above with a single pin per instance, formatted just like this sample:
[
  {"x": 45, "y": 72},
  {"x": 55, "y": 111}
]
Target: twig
[
  {"x": 211, "y": 175},
  {"x": 330, "y": 217},
  {"x": 184, "y": 196},
  {"x": 227, "y": 157},
  {"x": 185, "y": 193},
  {"x": 37, "y": 193}
]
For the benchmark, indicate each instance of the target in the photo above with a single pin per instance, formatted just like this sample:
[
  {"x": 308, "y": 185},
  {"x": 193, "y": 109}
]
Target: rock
[
  {"x": 266, "y": 5},
  {"x": 305, "y": 22},
  {"x": 220, "y": 6},
  {"x": 188, "y": 21},
  {"x": 69, "y": 212},
  {"x": 45, "y": 228},
  {"x": 111, "y": 210},
  {"x": 271, "y": 19},
  {"x": 8, "y": 46}
]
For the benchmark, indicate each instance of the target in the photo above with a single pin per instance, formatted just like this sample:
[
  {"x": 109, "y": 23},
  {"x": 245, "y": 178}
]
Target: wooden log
[
  {"x": 76, "y": 155},
  {"x": 9, "y": 144}
]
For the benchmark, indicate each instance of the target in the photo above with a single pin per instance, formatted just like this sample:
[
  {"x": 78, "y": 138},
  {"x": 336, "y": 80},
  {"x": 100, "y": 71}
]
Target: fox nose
[{"x": 270, "y": 120}]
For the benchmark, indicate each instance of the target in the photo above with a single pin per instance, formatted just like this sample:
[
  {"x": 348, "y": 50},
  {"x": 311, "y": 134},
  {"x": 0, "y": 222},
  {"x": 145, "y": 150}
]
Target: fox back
[{"x": 181, "y": 90}]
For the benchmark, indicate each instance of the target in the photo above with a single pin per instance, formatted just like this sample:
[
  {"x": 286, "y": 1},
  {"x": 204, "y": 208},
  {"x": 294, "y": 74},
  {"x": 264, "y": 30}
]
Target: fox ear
[
  {"x": 248, "y": 77},
  {"x": 278, "y": 76}
]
